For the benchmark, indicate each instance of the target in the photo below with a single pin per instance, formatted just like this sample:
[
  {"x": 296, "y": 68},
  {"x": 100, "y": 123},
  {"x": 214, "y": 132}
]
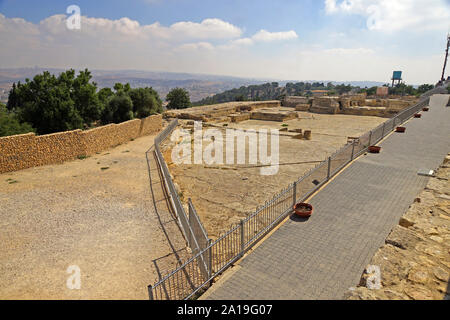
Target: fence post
[
  {"x": 370, "y": 138},
  {"x": 210, "y": 258},
  {"x": 241, "y": 223},
  {"x": 191, "y": 215},
  {"x": 329, "y": 168},
  {"x": 353, "y": 150},
  {"x": 150, "y": 292},
  {"x": 294, "y": 193}
]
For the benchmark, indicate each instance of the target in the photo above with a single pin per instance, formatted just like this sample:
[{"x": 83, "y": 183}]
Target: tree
[
  {"x": 146, "y": 102},
  {"x": 10, "y": 125},
  {"x": 46, "y": 103},
  {"x": 119, "y": 108},
  {"x": 424, "y": 88},
  {"x": 84, "y": 95},
  {"x": 178, "y": 98}
]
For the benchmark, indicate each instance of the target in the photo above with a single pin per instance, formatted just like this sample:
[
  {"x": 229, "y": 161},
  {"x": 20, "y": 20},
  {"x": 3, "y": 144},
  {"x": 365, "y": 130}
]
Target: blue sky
[{"x": 284, "y": 39}]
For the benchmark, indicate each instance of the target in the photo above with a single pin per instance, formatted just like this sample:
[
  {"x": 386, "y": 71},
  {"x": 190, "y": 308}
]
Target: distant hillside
[
  {"x": 273, "y": 91},
  {"x": 199, "y": 86}
]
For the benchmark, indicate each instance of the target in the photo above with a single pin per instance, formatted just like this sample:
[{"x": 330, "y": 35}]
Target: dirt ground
[
  {"x": 224, "y": 194},
  {"x": 95, "y": 213}
]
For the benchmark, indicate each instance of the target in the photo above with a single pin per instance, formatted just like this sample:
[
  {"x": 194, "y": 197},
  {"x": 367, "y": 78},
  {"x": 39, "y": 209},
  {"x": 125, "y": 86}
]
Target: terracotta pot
[
  {"x": 303, "y": 210},
  {"x": 374, "y": 149},
  {"x": 417, "y": 115},
  {"x": 425, "y": 109},
  {"x": 400, "y": 129}
]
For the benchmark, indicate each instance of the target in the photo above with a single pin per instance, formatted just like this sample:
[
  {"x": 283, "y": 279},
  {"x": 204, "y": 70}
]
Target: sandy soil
[
  {"x": 102, "y": 220},
  {"x": 225, "y": 194}
]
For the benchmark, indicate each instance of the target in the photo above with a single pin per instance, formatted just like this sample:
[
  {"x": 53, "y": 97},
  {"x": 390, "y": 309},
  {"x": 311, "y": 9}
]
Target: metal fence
[
  {"x": 196, "y": 274},
  {"x": 191, "y": 226}
]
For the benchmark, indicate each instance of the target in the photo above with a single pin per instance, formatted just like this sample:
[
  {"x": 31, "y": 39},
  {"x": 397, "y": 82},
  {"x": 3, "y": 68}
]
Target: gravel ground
[{"x": 95, "y": 213}]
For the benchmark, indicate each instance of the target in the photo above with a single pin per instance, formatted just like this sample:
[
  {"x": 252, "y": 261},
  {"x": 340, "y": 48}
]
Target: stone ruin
[
  {"x": 353, "y": 105},
  {"x": 234, "y": 112}
]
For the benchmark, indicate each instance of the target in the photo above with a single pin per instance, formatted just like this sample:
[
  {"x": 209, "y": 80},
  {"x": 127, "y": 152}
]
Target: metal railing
[
  {"x": 195, "y": 275},
  {"x": 191, "y": 226}
]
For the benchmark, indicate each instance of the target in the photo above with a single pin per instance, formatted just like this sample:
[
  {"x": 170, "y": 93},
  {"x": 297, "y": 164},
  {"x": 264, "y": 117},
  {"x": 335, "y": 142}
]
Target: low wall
[{"x": 28, "y": 150}]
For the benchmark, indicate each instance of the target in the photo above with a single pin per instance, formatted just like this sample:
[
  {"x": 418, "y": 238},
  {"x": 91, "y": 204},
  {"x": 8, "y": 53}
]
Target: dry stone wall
[{"x": 28, "y": 150}]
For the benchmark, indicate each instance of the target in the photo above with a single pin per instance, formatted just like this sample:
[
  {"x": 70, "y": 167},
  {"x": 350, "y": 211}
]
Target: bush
[
  {"x": 10, "y": 125},
  {"x": 178, "y": 98},
  {"x": 119, "y": 108},
  {"x": 146, "y": 102}
]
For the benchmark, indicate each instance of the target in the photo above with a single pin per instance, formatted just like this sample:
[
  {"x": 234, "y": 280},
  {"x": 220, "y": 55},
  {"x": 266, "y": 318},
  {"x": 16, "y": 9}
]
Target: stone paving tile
[{"x": 324, "y": 256}]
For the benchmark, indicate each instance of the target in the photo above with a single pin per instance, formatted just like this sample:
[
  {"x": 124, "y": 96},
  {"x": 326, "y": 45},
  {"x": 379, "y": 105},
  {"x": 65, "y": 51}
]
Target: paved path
[{"x": 324, "y": 256}]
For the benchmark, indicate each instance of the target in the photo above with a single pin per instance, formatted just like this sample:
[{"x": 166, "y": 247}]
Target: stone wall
[{"x": 28, "y": 150}]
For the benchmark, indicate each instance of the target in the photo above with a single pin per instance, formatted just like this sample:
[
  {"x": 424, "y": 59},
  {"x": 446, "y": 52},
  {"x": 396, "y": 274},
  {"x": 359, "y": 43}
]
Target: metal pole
[
  {"x": 242, "y": 238},
  {"x": 150, "y": 292},
  {"x": 191, "y": 215},
  {"x": 393, "y": 123},
  {"x": 329, "y": 168},
  {"x": 295, "y": 194},
  {"x": 210, "y": 258},
  {"x": 353, "y": 150},
  {"x": 370, "y": 137},
  {"x": 382, "y": 133}
]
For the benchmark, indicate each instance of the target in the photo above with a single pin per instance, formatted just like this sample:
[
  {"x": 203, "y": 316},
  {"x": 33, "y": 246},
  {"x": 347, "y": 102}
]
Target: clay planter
[
  {"x": 374, "y": 149},
  {"x": 417, "y": 115},
  {"x": 303, "y": 210},
  {"x": 400, "y": 129},
  {"x": 425, "y": 109}
]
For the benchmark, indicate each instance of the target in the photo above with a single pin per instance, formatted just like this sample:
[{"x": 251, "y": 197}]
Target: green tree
[
  {"x": 119, "y": 108},
  {"x": 424, "y": 88},
  {"x": 104, "y": 94},
  {"x": 46, "y": 103},
  {"x": 10, "y": 125},
  {"x": 85, "y": 97},
  {"x": 178, "y": 98},
  {"x": 146, "y": 102}
]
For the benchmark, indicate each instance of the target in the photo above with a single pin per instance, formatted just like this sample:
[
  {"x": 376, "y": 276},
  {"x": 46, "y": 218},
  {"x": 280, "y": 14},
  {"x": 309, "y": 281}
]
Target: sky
[{"x": 340, "y": 40}]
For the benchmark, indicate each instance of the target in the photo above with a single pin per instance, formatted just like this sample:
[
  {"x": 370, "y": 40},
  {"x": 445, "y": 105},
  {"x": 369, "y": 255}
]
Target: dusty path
[{"x": 102, "y": 220}]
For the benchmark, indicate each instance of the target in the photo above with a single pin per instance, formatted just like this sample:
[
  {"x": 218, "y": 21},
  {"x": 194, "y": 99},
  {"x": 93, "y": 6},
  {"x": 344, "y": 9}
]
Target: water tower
[{"x": 396, "y": 76}]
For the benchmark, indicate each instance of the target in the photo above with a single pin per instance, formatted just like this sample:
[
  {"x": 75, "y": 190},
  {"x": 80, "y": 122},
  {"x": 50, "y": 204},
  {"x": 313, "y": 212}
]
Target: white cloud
[
  {"x": 267, "y": 36},
  {"x": 395, "y": 15},
  {"x": 211, "y": 46}
]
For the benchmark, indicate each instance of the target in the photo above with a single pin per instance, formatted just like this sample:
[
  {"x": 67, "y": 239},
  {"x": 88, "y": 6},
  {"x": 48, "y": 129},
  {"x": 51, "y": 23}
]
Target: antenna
[{"x": 446, "y": 57}]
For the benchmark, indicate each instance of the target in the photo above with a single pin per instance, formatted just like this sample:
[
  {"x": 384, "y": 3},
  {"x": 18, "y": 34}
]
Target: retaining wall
[{"x": 28, "y": 150}]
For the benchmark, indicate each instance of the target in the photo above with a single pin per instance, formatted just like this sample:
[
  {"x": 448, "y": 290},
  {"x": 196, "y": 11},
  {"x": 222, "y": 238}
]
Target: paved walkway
[{"x": 324, "y": 256}]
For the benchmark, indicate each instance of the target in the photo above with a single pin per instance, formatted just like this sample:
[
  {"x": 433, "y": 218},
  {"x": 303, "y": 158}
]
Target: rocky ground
[
  {"x": 224, "y": 194},
  {"x": 415, "y": 260},
  {"x": 96, "y": 213}
]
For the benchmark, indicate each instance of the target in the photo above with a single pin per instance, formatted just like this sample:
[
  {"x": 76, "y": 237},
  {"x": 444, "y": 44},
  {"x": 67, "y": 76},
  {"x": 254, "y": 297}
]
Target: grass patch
[
  {"x": 285, "y": 125},
  {"x": 13, "y": 181},
  {"x": 82, "y": 157},
  {"x": 104, "y": 168},
  {"x": 125, "y": 151}
]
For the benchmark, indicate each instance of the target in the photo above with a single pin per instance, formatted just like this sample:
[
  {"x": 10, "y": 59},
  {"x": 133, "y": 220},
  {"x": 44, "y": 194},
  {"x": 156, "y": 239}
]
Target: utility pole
[{"x": 446, "y": 57}]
